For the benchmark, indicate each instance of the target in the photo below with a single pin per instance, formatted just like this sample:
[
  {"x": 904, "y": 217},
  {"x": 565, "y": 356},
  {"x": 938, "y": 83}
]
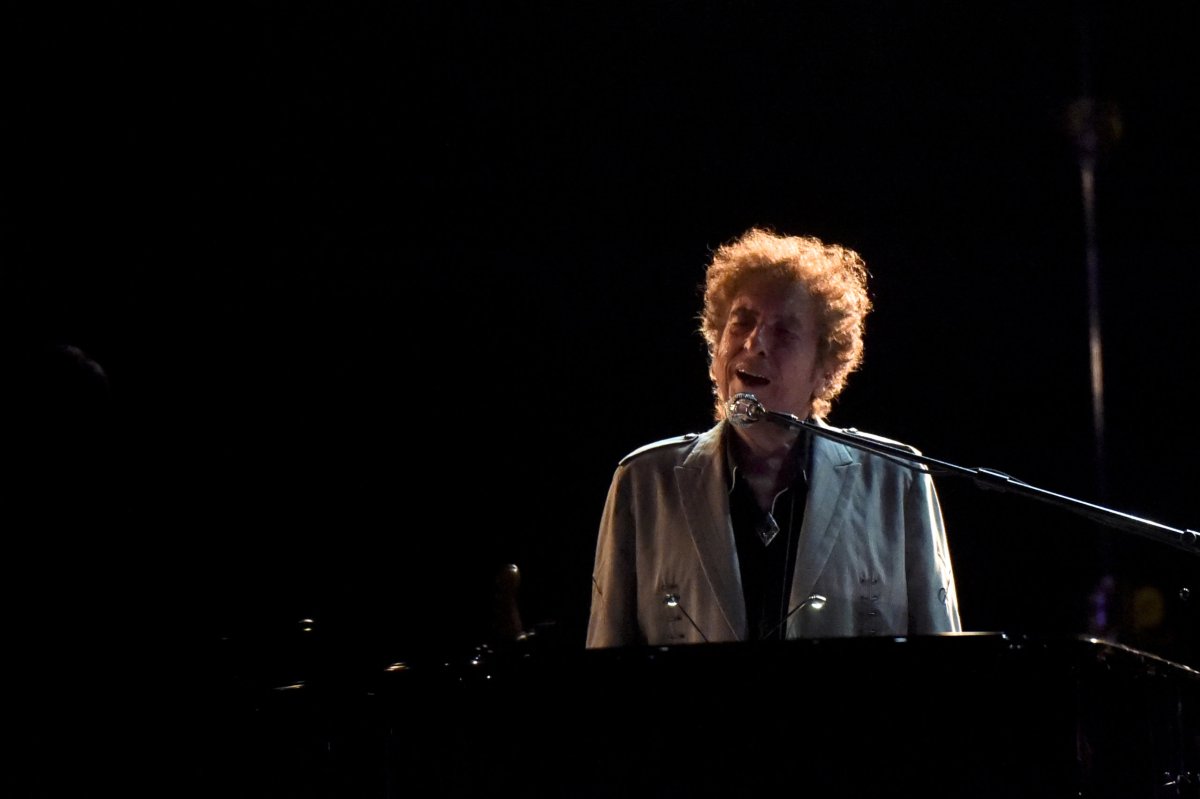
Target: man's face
[{"x": 769, "y": 347}]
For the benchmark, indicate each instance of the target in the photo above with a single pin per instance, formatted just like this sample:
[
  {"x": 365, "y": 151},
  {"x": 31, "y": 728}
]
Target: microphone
[{"x": 744, "y": 409}]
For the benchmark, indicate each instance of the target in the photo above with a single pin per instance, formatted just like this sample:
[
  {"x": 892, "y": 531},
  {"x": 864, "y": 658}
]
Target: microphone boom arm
[{"x": 745, "y": 409}]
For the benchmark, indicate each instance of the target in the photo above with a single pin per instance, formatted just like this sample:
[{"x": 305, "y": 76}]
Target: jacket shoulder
[
  {"x": 667, "y": 445},
  {"x": 877, "y": 438}
]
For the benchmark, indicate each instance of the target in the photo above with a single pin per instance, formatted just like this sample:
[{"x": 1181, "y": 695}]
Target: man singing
[{"x": 761, "y": 532}]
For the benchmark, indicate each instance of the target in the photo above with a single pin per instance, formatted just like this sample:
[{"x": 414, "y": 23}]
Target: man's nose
[{"x": 757, "y": 340}]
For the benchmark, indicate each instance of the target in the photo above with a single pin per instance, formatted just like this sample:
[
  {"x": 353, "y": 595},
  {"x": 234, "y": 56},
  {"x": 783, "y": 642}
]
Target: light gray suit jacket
[{"x": 872, "y": 544}]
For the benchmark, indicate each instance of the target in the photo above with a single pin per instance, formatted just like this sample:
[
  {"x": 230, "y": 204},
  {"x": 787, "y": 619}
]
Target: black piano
[{"x": 970, "y": 715}]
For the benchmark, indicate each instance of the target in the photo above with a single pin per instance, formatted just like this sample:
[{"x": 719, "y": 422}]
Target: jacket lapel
[
  {"x": 834, "y": 475},
  {"x": 704, "y": 487}
]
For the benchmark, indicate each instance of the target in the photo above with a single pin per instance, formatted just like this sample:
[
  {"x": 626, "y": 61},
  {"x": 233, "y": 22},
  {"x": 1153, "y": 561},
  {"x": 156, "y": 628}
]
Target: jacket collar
[
  {"x": 702, "y": 479},
  {"x": 831, "y": 494}
]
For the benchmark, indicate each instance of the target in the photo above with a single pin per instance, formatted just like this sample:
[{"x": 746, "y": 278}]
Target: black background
[{"x": 383, "y": 292}]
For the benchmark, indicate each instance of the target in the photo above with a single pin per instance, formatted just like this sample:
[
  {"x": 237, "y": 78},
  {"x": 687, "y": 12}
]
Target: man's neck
[{"x": 762, "y": 453}]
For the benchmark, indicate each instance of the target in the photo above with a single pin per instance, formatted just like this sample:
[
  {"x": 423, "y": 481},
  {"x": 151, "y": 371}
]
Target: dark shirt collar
[{"x": 800, "y": 453}]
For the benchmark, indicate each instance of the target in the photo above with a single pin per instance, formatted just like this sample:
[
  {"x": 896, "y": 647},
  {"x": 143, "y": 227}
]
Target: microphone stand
[{"x": 745, "y": 409}]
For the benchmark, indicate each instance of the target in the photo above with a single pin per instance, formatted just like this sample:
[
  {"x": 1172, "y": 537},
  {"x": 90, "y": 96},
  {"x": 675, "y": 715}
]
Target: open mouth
[{"x": 751, "y": 380}]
